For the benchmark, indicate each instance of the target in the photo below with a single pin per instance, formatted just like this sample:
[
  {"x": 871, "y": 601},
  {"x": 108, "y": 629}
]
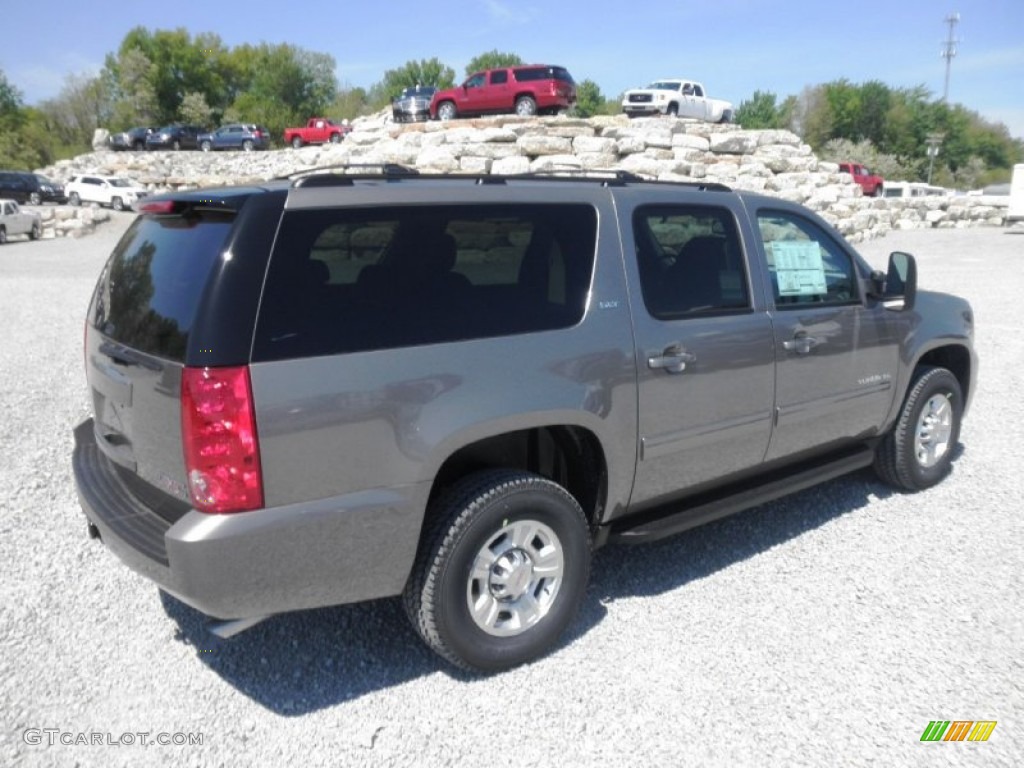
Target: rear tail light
[{"x": 218, "y": 430}]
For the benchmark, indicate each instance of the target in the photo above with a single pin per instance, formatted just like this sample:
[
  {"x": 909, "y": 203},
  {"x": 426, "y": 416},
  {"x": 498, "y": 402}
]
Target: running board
[{"x": 661, "y": 523}]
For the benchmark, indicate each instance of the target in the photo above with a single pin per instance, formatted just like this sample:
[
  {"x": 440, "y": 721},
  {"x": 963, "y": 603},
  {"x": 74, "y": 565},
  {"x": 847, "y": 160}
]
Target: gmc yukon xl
[{"x": 337, "y": 388}]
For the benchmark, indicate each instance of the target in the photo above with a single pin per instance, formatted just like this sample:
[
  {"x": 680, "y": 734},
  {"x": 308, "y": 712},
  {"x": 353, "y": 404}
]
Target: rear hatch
[{"x": 143, "y": 327}]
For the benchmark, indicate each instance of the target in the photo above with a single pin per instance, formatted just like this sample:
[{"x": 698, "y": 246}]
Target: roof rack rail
[
  {"x": 575, "y": 172},
  {"x": 333, "y": 172}
]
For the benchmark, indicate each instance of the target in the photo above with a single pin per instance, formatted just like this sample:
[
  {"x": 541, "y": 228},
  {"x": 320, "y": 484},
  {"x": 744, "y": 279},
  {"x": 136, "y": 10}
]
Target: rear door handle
[
  {"x": 672, "y": 360},
  {"x": 801, "y": 343}
]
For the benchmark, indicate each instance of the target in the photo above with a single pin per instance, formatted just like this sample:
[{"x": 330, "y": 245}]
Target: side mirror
[{"x": 900, "y": 280}]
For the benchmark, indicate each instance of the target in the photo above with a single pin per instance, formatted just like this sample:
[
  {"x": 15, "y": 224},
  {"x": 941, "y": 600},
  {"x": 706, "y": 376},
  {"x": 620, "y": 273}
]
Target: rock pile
[{"x": 772, "y": 162}]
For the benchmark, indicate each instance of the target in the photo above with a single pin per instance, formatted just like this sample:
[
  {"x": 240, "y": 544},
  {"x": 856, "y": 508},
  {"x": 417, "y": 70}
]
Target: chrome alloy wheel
[
  {"x": 934, "y": 429},
  {"x": 515, "y": 578}
]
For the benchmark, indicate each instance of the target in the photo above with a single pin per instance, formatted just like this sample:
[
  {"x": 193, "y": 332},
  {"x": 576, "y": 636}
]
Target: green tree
[
  {"x": 491, "y": 60},
  {"x": 589, "y": 99},
  {"x": 83, "y": 105},
  {"x": 10, "y": 99},
  {"x": 761, "y": 111},
  {"x": 422, "y": 72},
  {"x": 195, "y": 110}
]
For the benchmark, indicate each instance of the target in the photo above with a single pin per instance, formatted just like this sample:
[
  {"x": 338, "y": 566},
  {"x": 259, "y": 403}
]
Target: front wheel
[
  {"x": 501, "y": 571},
  {"x": 918, "y": 452},
  {"x": 297, "y": 142},
  {"x": 37, "y": 231},
  {"x": 335, "y": 138},
  {"x": 117, "y": 203},
  {"x": 74, "y": 199},
  {"x": 878, "y": 191},
  {"x": 446, "y": 111},
  {"x": 3, "y": 236},
  {"x": 526, "y": 106},
  {"x": 247, "y": 145},
  {"x": 35, "y": 199},
  {"x": 176, "y": 146},
  {"x": 206, "y": 146}
]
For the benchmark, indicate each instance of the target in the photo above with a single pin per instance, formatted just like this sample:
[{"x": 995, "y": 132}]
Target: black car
[
  {"x": 133, "y": 138},
  {"x": 413, "y": 104},
  {"x": 175, "y": 136},
  {"x": 32, "y": 188}
]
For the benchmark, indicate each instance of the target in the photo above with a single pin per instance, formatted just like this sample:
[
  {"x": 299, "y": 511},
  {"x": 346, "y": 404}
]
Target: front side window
[
  {"x": 349, "y": 280},
  {"x": 475, "y": 81},
  {"x": 806, "y": 265},
  {"x": 690, "y": 261}
]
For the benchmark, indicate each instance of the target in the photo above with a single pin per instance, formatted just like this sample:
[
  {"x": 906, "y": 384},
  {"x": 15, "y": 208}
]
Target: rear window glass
[
  {"x": 147, "y": 296},
  {"x": 348, "y": 280},
  {"x": 542, "y": 73}
]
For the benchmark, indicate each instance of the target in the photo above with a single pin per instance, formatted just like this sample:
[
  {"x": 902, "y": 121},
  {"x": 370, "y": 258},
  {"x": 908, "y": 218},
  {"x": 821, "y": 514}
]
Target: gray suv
[{"x": 338, "y": 387}]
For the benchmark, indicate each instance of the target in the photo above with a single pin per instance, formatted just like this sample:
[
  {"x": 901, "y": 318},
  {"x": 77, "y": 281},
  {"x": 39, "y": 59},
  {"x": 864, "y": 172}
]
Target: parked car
[
  {"x": 413, "y": 104},
  {"x": 676, "y": 96},
  {"x": 524, "y": 90},
  {"x": 174, "y": 137},
  {"x": 455, "y": 391},
  {"x": 31, "y": 188},
  {"x": 15, "y": 221},
  {"x": 317, "y": 130},
  {"x": 117, "y": 192},
  {"x": 871, "y": 184},
  {"x": 133, "y": 138},
  {"x": 244, "y": 136}
]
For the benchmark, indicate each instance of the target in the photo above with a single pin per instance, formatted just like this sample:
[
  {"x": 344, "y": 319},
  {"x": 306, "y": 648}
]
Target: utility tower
[{"x": 949, "y": 49}]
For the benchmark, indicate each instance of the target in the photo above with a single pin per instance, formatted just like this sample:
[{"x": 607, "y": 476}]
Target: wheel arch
[
  {"x": 567, "y": 454},
  {"x": 956, "y": 359}
]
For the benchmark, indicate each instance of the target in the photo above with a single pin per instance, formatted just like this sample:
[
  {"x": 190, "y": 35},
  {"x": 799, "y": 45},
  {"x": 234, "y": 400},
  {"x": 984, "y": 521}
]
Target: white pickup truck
[
  {"x": 14, "y": 221},
  {"x": 676, "y": 96}
]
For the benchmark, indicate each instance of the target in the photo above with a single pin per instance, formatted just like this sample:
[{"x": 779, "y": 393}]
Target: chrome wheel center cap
[{"x": 511, "y": 574}]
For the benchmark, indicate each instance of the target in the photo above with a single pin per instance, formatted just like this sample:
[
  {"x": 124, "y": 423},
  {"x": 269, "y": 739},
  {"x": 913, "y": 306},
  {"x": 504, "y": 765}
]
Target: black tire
[
  {"x": 35, "y": 199},
  {"x": 878, "y": 191},
  {"x": 74, "y": 199},
  {"x": 176, "y": 146},
  {"x": 138, "y": 146},
  {"x": 247, "y": 145},
  {"x": 335, "y": 138},
  {"x": 918, "y": 451},
  {"x": 673, "y": 110},
  {"x": 3, "y": 235},
  {"x": 37, "y": 231},
  {"x": 526, "y": 106},
  {"x": 205, "y": 145},
  {"x": 446, "y": 111},
  {"x": 117, "y": 203},
  {"x": 473, "y": 517},
  {"x": 296, "y": 142}
]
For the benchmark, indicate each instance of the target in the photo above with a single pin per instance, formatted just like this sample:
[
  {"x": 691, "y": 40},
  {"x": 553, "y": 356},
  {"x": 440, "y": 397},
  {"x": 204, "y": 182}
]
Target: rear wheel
[
  {"x": 501, "y": 572},
  {"x": 117, "y": 203},
  {"x": 247, "y": 145},
  {"x": 35, "y": 199},
  {"x": 446, "y": 111},
  {"x": 526, "y": 106},
  {"x": 918, "y": 452},
  {"x": 878, "y": 191},
  {"x": 176, "y": 145},
  {"x": 335, "y": 138},
  {"x": 296, "y": 142},
  {"x": 74, "y": 199},
  {"x": 37, "y": 231},
  {"x": 205, "y": 145},
  {"x": 3, "y": 235}
]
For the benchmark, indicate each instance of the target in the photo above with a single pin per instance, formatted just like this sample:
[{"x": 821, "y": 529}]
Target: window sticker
[{"x": 799, "y": 268}]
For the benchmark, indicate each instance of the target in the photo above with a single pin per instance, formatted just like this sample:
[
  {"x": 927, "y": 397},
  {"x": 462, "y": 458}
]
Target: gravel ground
[{"x": 824, "y": 629}]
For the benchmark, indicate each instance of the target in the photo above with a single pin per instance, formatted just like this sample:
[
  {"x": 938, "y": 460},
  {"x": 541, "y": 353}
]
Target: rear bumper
[{"x": 339, "y": 550}]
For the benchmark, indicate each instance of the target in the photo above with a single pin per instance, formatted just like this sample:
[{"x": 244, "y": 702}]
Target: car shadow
[{"x": 301, "y": 662}]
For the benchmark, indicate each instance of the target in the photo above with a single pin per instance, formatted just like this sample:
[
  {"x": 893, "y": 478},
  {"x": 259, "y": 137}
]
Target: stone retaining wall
[{"x": 775, "y": 163}]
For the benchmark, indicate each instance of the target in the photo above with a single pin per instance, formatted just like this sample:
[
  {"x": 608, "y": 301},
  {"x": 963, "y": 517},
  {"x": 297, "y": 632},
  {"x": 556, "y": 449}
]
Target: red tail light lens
[{"x": 218, "y": 430}]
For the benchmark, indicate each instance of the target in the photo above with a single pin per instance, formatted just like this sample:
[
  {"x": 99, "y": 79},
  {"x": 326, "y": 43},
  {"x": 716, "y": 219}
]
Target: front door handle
[
  {"x": 801, "y": 343},
  {"x": 672, "y": 360}
]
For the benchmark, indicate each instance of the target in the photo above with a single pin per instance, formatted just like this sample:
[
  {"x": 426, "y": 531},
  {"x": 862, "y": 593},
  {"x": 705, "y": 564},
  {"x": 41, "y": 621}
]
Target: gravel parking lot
[{"x": 828, "y": 628}]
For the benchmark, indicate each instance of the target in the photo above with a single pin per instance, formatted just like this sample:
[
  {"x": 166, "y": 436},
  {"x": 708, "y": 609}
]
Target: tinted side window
[
  {"x": 534, "y": 73},
  {"x": 690, "y": 261},
  {"x": 806, "y": 265},
  {"x": 500, "y": 77},
  {"x": 347, "y": 280},
  {"x": 147, "y": 296}
]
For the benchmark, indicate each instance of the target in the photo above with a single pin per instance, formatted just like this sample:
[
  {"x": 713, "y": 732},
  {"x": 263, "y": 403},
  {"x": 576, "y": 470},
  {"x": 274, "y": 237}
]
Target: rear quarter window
[
  {"x": 349, "y": 280},
  {"x": 147, "y": 295}
]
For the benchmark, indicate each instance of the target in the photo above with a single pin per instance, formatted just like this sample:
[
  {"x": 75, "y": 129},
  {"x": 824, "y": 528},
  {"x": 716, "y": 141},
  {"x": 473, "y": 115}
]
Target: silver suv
[{"x": 339, "y": 388}]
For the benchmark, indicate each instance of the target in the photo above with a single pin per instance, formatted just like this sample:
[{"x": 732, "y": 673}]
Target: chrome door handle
[
  {"x": 672, "y": 360},
  {"x": 801, "y": 343}
]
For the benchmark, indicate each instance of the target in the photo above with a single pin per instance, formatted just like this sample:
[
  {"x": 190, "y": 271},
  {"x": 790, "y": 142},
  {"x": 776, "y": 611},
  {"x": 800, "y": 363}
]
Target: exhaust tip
[{"x": 231, "y": 627}]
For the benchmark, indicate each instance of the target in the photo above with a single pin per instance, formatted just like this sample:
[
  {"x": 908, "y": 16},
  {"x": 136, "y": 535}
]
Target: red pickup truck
[
  {"x": 318, "y": 130},
  {"x": 871, "y": 184}
]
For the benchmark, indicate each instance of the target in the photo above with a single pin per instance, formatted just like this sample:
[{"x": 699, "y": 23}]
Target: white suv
[{"x": 117, "y": 192}]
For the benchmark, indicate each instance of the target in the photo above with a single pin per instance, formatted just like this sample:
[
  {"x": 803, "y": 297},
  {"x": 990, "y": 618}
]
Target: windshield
[{"x": 664, "y": 85}]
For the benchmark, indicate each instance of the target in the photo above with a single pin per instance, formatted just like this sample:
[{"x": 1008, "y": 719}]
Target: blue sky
[{"x": 733, "y": 46}]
